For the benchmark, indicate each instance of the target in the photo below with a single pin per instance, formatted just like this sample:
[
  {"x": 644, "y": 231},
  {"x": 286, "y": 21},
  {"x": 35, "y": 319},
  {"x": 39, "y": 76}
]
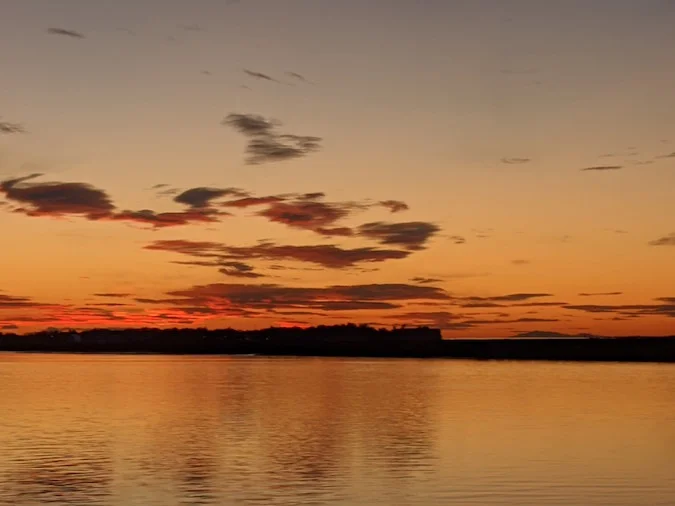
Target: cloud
[
  {"x": 239, "y": 270},
  {"x": 516, "y": 161},
  {"x": 10, "y": 326},
  {"x": 259, "y": 75},
  {"x": 266, "y": 144},
  {"x": 67, "y": 33},
  {"x": 395, "y": 206},
  {"x": 310, "y": 215},
  {"x": 411, "y": 235},
  {"x": 511, "y": 297},
  {"x": 668, "y": 240},
  {"x": 669, "y": 155},
  {"x": 630, "y": 310},
  {"x": 57, "y": 199},
  {"x": 520, "y": 261},
  {"x": 10, "y": 301},
  {"x": 112, "y": 295},
  {"x": 7, "y": 128},
  {"x": 298, "y": 77},
  {"x": 273, "y": 149},
  {"x": 425, "y": 281},
  {"x": 457, "y": 239},
  {"x": 599, "y": 294},
  {"x": 251, "y": 125},
  {"x": 330, "y": 298},
  {"x": 253, "y": 201},
  {"x": 602, "y": 168},
  {"x": 329, "y": 256},
  {"x": 201, "y": 197},
  {"x": 167, "y": 219}
]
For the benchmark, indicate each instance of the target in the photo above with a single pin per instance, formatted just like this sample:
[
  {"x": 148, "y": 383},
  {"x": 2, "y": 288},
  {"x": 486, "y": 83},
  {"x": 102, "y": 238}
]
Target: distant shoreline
[{"x": 342, "y": 341}]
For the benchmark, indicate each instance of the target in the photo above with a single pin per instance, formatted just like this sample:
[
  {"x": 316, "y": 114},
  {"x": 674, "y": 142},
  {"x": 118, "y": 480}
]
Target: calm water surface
[{"x": 147, "y": 430}]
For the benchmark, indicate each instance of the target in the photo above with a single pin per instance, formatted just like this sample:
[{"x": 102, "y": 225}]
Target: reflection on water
[{"x": 121, "y": 430}]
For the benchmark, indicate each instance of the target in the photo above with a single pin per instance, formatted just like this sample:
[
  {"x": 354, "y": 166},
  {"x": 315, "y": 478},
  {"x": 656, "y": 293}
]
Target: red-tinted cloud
[{"x": 57, "y": 199}]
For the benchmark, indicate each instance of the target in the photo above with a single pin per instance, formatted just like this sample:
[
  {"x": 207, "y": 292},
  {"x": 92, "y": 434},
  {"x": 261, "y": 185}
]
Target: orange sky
[{"x": 490, "y": 168}]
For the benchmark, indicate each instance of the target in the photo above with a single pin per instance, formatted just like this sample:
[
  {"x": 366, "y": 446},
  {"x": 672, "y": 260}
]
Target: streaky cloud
[
  {"x": 601, "y": 168},
  {"x": 66, "y": 33}
]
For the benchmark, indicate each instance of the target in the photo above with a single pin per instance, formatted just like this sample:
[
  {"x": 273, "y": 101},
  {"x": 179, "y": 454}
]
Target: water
[{"x": 148, "y": 430}]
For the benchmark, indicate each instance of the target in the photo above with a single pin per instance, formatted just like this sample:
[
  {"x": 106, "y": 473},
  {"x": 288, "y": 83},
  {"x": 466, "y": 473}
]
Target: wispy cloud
[
  {"x": 668, "y": 240},
  {"x": 8, "y": 128},
  {"x": 260, "y": 75},
  {"x": 395, "y": 206},
  {"x": 599, "y": 294},
  {"x": 600, "y": 168},
  {"x": 516, "y": 161},
  {"x": 66, "y": 33},
  {"x": 266, "y": 144},
  {"x": 298, "y": 77}
]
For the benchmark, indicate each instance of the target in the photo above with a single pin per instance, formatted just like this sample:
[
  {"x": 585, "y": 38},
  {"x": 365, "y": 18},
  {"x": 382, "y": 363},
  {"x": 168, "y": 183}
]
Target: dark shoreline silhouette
[{"x": 342, "y": 340}]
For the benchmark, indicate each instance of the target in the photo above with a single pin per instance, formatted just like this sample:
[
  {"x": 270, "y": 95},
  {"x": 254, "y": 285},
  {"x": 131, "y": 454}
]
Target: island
[{"x": 349, "y": 340}]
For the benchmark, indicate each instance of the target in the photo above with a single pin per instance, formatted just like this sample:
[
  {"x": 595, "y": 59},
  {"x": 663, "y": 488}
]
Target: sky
[{"x": 487, "y": 167}]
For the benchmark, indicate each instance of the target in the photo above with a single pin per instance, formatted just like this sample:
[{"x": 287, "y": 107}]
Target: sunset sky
[{"x": 489, "y": 167}]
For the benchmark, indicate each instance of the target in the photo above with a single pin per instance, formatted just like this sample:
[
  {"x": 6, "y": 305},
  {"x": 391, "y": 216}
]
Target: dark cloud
[
  {"x": 602, "y": 168},
  {"x": 167, "y": 219},
  {"x": 411, "y": 235},
  {"x": 599, "y": 294},
  {"x": 112, "y": 295},
  {"x": 330, "y": 256},
  {"x": 280, "y": 148},
  {"x": 309, "y": 214},
  {"x": 253, "y": 201},
  {"x": 395, "y": 206},
  {"x": 457, "y": 239},
  {"x": 668, "y": 240},
  {"x": 7, "y": 128},
  {"x": 10, "y": 301},
  {"x": 425, "y": 281},
  {"x": 251, "y": 125},
  {"x": 630, "y": 310},
  {"x": 298, "y": 77},
  {"x": 331, "y": 298},
  {"x": 669, "y": 300},
  {"x": 239, "y": 270},
  {"x": 9, "y": 326},
  {"x": 335, "y": 231},
  {"x": 57, "y": 199},
  {"x": 516, "y": 161},
  {"x": 539, "y": 304},
  {"x": 67, "y": 33},
  {"x": 201, "y": 197},
  {"x": 512, "y": 297},
  {"x": 266, "y": 144},
  {"x": 669, "y": 155},
  {"x": 259, "y": 75}
]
